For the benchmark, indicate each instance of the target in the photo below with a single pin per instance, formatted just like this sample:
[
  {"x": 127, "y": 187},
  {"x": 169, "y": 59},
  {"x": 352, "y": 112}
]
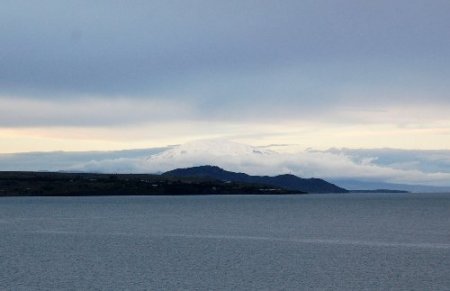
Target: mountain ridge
[{"x": 286, "y": 181}]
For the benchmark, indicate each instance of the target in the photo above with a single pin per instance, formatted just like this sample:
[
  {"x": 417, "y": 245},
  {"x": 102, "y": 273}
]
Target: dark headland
[
  {"x": 202, "y": 180},
  {"x": 286, "y": 181}
]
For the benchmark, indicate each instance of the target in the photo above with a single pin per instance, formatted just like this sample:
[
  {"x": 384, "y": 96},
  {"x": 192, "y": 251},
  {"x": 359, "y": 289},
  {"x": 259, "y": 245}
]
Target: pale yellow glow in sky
[
  {"x": 299, "y": 135},
  {"x": 123, "y": 123}
]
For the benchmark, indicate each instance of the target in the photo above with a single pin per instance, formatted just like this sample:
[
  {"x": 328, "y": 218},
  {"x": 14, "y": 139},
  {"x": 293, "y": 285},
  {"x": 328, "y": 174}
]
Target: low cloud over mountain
[{"x": 380, "y": 165}]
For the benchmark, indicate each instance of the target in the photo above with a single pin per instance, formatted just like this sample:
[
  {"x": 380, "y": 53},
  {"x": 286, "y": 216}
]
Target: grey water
[{"x": 304, "y": 242}]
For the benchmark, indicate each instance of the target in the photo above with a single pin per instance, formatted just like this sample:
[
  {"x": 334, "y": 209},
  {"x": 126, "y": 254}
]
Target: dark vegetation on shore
[
  {"x": 88, "y": 184},
  {"x": 202, "y": 180}
]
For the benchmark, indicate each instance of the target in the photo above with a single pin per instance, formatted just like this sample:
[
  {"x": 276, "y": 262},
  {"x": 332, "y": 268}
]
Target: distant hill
[{"x": 287, "y": 181}]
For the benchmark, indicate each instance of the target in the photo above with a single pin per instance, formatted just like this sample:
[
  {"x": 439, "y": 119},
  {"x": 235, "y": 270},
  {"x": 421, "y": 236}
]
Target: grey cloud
[
  {"x": 53, "y": 48},
  {"x": 221, "y": 60},
  {"x": 88, "y": 112},
  {"x": 56, "y": 161},
  {"x": 428, "y": 161}
]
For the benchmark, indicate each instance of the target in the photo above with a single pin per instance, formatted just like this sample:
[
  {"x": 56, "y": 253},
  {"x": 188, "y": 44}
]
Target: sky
[{"x": 112, "y": 75}]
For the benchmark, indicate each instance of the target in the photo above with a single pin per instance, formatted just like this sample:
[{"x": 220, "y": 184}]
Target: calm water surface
[{"x": 316, "y": 242}]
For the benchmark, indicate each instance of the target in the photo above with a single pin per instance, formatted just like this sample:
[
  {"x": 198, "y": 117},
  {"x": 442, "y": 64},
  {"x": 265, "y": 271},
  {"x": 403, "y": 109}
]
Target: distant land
[
  {"x": 201, "y": 180},
  {"x": 378, "y": 191},
  {"x": 89, "y": 184},
  {"x": 258, "y": 160},
  {"x": 289, "y": 182},
  {"x": 355, "y": 185}
]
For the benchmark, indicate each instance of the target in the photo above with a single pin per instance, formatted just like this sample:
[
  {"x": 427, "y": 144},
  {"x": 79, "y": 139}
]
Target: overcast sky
[{"x": 103, "y": 75}]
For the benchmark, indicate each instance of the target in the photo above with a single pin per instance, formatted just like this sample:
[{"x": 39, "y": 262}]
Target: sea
[{"x": 236, "y": 242}]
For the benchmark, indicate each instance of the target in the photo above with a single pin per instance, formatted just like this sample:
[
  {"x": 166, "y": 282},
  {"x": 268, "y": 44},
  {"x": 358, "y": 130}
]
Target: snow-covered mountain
[
  {"x": 216, "y": 147},
  {"x": 230, "y": 155}
]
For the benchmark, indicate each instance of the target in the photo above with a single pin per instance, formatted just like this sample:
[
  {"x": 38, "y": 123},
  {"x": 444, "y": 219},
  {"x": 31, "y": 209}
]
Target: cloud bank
[
  {"x": 115, "y": 47},
  {"x": 372, "y": 166},
  {"x": 228, "y": 55}
]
